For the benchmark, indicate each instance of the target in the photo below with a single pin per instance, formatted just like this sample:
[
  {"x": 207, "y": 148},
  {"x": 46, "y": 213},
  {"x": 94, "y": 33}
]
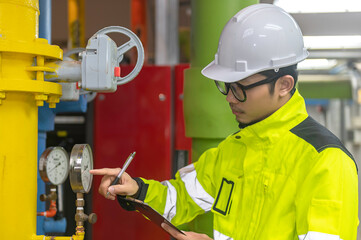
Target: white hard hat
[{"x": 259, "y": 37}]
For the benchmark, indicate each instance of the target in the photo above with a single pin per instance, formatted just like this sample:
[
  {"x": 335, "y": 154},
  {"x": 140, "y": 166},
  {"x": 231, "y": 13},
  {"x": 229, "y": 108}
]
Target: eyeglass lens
[{"x": 236, "y": 89}]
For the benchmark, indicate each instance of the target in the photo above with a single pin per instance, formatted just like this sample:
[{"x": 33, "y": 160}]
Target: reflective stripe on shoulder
[
  {"x": 219, "y": 236},
  {"x": 318, "y": 236},
  {"x": 195, "y": 190},
  {"x": 170, "y": 208}
]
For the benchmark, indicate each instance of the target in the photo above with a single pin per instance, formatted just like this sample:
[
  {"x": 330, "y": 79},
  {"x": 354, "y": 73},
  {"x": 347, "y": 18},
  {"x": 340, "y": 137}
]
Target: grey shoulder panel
[{"x": 318, "y": 136}]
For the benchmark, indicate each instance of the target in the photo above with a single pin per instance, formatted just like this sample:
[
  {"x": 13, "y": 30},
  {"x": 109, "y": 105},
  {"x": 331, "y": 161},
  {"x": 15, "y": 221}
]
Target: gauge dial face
[
  {"x": 54, "y": 165},
  {"x": 81, "y": 161}
]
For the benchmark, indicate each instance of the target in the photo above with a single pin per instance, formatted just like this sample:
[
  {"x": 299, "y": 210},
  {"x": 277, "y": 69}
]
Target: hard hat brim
[{"x": 224, "y": 74}]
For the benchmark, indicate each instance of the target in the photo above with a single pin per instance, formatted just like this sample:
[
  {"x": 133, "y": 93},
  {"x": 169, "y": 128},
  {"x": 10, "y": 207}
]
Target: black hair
[{"x": 289, "y": 70}]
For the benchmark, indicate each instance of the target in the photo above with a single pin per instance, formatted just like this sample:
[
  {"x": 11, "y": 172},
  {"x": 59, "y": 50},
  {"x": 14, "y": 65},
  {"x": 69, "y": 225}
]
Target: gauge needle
[
  {"x": 55, "y": 167},
  {"x": 85, "y": 168}
]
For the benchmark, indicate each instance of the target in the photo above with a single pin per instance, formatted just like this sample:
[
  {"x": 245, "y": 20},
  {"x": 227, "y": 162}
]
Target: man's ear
[{"x": 285, "y": 85}]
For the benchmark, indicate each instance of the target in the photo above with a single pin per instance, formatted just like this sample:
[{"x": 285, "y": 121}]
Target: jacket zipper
[{"x": 260, "y": 208}]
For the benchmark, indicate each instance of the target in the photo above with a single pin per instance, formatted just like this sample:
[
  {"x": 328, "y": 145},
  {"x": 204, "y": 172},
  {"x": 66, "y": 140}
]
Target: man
[{"x": 282, "y": 176}]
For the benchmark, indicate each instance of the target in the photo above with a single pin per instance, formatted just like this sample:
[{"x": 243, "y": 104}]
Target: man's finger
[
  {"x": 105, "y": 171},
  {"x": 110, "y": 196}
]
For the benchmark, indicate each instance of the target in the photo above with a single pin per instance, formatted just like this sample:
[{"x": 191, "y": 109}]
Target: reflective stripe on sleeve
[
  {"x": 318, "y": 236},
  {"x": 171, "y": 203},
  {"x": 219, "y": 236},
  {"x": 195, "y": 190}
]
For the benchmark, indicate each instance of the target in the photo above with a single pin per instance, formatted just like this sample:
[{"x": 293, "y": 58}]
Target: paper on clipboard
[{"x": 149, "y": 212}]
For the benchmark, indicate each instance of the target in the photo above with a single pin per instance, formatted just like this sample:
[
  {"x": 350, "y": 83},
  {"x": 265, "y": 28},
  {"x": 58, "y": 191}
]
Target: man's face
[{"x": 260, "y": 102}]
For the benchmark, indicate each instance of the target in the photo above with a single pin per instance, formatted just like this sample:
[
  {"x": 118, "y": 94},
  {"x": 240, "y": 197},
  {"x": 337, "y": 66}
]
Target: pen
[{"x": 125, "y": 166}]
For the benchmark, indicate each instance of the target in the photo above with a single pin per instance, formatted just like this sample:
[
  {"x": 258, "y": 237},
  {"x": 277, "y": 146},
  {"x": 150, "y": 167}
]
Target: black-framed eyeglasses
[{"x": 239, "y": 90}]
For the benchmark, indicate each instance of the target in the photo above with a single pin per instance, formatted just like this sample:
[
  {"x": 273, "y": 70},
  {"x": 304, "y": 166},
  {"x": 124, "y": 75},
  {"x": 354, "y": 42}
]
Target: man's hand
[
  {"x": 127, "y": 185},
  {"x": 188, "y": 235}
]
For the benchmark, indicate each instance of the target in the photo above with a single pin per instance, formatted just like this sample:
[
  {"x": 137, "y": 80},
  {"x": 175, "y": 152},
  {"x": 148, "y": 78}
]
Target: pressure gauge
[
  {"x": 81, "y": 161},
  {"x": 54, "y": 165}
]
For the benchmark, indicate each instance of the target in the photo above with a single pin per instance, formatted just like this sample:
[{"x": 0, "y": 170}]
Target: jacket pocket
[
  {"x": 226, "y": 204},
  {"x": 223, "y": 201}
]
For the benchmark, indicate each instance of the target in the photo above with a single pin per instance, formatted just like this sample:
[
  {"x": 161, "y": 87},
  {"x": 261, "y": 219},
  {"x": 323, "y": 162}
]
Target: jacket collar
[{"x": 285, "y": 118}]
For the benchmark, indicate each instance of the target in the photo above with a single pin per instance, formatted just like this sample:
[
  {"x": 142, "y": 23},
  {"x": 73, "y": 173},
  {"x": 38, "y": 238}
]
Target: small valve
[
  {"x": 51, "y": 196},
  {"x": 80, "y": 216}
]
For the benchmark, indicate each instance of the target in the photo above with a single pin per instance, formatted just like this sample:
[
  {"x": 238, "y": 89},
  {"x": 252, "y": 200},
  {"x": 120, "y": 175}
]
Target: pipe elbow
[{"x": 52, "y": 210}]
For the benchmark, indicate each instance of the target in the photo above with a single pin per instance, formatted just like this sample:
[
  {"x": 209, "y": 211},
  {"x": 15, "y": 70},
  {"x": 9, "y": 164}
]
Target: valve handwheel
[{"x": 133, "y": 42}]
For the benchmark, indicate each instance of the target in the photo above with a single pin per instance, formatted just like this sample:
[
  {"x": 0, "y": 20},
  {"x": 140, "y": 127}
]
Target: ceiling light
[
  {"x": 319, "y": 6},
  {"x": 319, "y": 64},
  {"x": 332, "y": 42}
]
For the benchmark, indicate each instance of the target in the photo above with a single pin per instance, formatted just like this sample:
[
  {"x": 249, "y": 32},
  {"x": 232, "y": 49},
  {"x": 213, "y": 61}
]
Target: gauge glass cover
[
  {"x": 54, "y": 165},
  {"x": 86, "y": 165},
  {"x": 81, "y": 161}
]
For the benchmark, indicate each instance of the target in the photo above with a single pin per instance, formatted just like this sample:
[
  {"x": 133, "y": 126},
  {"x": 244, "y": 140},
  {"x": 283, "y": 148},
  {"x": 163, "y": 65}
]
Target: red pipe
[
  {"x": 139, "y": 24},
  {"x": 51, "y": 212}
]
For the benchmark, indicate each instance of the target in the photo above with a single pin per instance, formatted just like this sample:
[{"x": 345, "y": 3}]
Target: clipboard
[{"x": 148, "y": 212}]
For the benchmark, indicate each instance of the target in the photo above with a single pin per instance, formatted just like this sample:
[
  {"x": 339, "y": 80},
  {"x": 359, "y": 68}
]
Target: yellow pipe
[
  {"x": 18, "y": 151},
  {"x": 78, "y": 236},
  {"x": 22, "y": 90}
]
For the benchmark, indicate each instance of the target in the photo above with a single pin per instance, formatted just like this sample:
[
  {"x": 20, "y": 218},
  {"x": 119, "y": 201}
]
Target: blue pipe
[
  {"x": 41, "y": 185},
  {"x": 46, "y": 116},
  {"x": 46, "y": 124},
  {"x": 45, "y": 19},
  {"x": 55, "y": 226},
  {"x": 70, "y": 107}
]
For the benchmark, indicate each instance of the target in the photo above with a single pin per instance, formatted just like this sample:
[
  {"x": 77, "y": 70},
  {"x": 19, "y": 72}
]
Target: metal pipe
[
  {"x": 166, "y": 32},
  {"x": 67, "y": 70},
  {"x": 60, "y": 198}
]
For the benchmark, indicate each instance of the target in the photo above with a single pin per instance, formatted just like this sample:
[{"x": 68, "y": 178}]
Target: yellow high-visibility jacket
[{"x": 285, "y": 177}]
